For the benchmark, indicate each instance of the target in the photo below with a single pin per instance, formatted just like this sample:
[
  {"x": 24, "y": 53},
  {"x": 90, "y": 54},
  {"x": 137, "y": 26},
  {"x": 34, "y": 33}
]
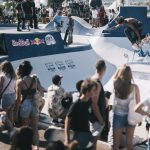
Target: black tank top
[{"x": 101, "y": 104}]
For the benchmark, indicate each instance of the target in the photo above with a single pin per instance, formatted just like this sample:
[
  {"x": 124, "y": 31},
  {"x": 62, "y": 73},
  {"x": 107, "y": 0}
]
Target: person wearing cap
[
  {"x": 58, "y": 23},
  {"x": 133, "y": 29},
  {"x": 69, "y": 30},
  {"x": 55, "y": 96}
]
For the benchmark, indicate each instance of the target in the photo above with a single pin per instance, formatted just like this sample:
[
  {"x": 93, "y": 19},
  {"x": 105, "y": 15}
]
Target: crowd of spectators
[
  {"x": 96, "y": 16},
  {"x": 86, "y": 111}
]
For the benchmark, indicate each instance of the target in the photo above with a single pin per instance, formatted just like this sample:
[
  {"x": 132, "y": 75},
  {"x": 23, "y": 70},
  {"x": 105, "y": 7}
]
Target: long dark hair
[
  {"x": 24, "y": 69},
  {"x": 123, "y": 82},
  {"x": 7, "y": 68},
  {"x": 23, "y": 139}
]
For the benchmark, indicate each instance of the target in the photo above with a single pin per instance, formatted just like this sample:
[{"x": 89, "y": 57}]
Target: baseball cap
[{"x": 56, "y": 79}]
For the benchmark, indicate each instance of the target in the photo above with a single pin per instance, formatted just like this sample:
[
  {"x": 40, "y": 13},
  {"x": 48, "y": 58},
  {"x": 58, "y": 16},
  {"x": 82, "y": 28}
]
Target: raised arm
[{"x": 114, "y": 27}]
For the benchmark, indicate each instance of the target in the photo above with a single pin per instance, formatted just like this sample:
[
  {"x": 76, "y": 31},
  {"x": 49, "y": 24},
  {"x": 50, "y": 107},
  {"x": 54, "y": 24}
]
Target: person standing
[
  {"x": 8, "y": 93},
  {"x": 34, "y": 16},
  {"x": 26, "y": 87},
  {"x": 58, "y": 23},
  {"x": 79, "y": 114},
  {"x": 140, "y": 109},
  {"x": 20, "y": 15},
  {"x": 43, "y": 15},
  {"x": 124, "y": 92},
  {"x": 5, "y": 14},
  {"x": 28, "y": 12},
  {"x": 69, "y": 30},
  {"x": 94, "y": 17},
  {"x": 98, "y": 117},
  {"x": 51, "y": 13}
]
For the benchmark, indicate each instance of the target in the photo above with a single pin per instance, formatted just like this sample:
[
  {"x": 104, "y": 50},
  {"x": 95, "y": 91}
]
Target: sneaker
[{"x": 135, "y": 46}]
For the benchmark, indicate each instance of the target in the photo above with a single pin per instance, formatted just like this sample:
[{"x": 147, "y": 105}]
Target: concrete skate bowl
[
  {"x": 48, "y": 57},
  {"x": 81, "y": 27}
]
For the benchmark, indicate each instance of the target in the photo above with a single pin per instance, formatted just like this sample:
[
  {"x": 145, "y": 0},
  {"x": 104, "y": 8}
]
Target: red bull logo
[{"x": 37, "y": 41}]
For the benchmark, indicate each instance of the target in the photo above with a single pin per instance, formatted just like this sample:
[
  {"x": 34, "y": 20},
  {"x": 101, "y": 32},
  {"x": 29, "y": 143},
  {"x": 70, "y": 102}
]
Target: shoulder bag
[
  {"x": 1, "y": 94},
  {"x": 133, "y": 117},
  {"x": 38, "y": 98}
]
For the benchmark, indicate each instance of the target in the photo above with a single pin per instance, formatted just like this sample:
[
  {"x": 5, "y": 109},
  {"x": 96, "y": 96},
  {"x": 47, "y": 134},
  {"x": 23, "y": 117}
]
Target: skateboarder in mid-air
[{"x": 133, "y": 29}]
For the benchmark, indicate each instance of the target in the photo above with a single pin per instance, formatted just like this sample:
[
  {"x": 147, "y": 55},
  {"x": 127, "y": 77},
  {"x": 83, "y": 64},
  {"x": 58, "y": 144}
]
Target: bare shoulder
[
  {"x": 18, "y": 82},
  {"x": 94, "y": 77},
  {"x": 135, "y": 86}
]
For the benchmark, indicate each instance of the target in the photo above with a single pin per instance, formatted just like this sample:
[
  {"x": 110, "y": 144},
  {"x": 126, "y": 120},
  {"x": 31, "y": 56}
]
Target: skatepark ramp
[
  {"x": 81, "y": 27},
  {"x": 46, "y": 53},
  {"x": 137, "y": 12}
]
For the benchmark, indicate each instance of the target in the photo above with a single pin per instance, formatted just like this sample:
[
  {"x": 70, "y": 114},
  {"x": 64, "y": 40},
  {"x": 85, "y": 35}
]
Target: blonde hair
[{"x": 123, "y": 82}]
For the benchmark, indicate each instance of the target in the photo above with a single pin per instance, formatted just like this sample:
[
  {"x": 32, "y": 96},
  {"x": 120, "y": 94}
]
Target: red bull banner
[{"x": 32, "y": 44}]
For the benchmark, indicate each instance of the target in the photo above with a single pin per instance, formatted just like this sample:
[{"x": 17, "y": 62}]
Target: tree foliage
[{"x": 53, "y": 2}]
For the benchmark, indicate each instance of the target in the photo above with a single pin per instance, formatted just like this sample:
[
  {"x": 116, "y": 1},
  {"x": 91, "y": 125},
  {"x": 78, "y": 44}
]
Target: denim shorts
[
  {"x": 121, "y": 122},
  {"x": 29, "y": 109},
  {"x": 8, "y": 100}
]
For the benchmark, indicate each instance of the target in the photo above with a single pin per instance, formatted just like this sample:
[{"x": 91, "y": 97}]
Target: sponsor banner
[{"x": 21, "y": 46}]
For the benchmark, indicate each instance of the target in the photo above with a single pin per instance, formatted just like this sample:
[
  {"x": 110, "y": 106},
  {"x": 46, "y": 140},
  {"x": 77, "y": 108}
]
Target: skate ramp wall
[
  {"x": 21, "y": 46},
  {"x": 74, "y": 63},
  {"x": 81, "y": 27},
  {"x": 139, "y": 13}
]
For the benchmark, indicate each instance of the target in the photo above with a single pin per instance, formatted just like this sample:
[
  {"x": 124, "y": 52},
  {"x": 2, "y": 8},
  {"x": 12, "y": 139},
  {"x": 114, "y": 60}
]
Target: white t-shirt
[
  {"x": 111, "y": 16},
  {"x": 94, "y": 13},
  {"x": 75, "y": 96},
  {"x": 51, "y": 12}
]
